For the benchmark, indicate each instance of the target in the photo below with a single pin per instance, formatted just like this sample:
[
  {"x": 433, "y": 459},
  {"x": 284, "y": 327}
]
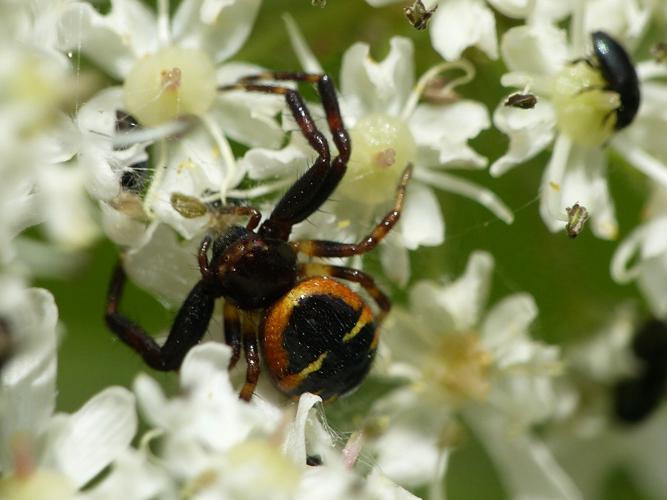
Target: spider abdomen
[{"x": 320, "y": 337}]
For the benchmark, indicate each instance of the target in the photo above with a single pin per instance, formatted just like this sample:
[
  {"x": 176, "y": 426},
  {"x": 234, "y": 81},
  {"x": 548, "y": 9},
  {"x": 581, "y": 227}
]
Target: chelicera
[{"x": 316, "y": 334}]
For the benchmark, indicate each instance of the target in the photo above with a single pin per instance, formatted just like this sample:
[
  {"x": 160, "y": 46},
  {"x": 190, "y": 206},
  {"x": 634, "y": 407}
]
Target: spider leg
[
  {"x": 325, "y": 248},
  {"x": 313, "y": 188},
  {"x": 251, "y": 357},
  {"x": 232, "y": 322},
  {"x": 354, "y": 275},
  {"x": 187, "y": 330},
  {"x": 254, "y": 214}
]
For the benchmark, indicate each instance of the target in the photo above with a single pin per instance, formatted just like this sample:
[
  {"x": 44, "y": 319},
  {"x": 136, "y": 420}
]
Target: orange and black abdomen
[{"x": 320, "y": 338}]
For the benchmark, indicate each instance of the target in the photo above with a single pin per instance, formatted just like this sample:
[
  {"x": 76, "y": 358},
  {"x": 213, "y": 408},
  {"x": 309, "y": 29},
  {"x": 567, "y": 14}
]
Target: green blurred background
[{"x": 568, "y": 278}]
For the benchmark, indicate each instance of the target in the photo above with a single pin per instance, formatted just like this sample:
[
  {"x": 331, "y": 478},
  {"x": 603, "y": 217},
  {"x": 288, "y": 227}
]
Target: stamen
[
  {"x": 171, "y": 79},
  {"x": 462, "y": 64}
]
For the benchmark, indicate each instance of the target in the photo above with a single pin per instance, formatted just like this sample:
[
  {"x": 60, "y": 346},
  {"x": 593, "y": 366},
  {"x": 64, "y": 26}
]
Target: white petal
[
  {"x": 646, "y": 242},
  {"x": 529, "y": 131},
  {"x": 67, "y": 210},
  {"x": 382, "y": 488},
  {"x": 651, "y": 282},
  {"x": 133, "y": 477},
  {"x": 408, "y": 452},
  {"x": 463, "y": 299},
  {"x": 641, "y": 160},
  {"x": 407, "y": 455},
  {"x": 220, "y": 27},
  {"x": 623, "y": 19},
  {"x": 447, "y": 130},
  {"x": 512, "y": 8},
  {"x": 151, "y": 401},
  {"x": 28, "y": 391},
  {"x": 294, "y": 445},
  {"x": 114, "y": 41},
  {"x": 421, "y": 222},
  {"x": 526, "y": 465},
  {"x": 539, "y": 50},
  {"x": 576, "y": 174},
  {"x": 101, "y": 163},
  {"x": 82, "y": 444},
  {"x": 289, "y": 161},
  {"x": 164, "y": 265},
  {"x": 508, "y": 321},
  {"x": 120, "y": 228},
  {"x": 248, "y": 117},
  {"x": 395, "y": 260},
  {"x": 459, "y": 24},
  {"x": 378, "y": 87}
]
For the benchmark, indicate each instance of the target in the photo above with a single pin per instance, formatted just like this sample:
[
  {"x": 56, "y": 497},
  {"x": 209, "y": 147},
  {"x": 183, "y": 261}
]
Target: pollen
[
  {"x": 168, "y": 84},
  {"x": 383, "y": 147},
  {"x": 461, "y": 367},
  {"x": 171, "y": 79}
]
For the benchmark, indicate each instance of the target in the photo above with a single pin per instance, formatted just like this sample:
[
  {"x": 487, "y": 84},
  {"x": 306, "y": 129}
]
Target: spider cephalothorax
[{"x": 317, "y": 335}]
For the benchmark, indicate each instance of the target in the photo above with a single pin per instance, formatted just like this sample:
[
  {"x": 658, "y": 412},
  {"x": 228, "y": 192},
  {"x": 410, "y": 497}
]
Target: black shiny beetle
[
  {"x": 614, "y": 63},
  {"x": 316, "y": 334}
]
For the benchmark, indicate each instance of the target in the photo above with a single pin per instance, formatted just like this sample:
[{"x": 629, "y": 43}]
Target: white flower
[
  {"x": 459, "y": 24},
  {"x": 461, "y": 360},
  {"x": 388, "y": 130},
  {"x": 36, "y": 137},
  {"x": 171, "y": 69},
  {"x": 214, "y": 445},
  {"x": 42, "y": 454},
  {"x": 591, "y": 440},
  {"x": 539, "y": 58},
  {"x": 642, "y": 255}
]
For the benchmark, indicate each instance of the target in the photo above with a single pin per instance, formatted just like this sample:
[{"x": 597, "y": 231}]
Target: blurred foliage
[{"x": 568, "y": 278}]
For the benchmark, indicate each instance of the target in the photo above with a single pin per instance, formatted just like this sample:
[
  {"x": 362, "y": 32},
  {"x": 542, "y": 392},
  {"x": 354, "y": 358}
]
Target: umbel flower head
[
  {"x": 171, "y": 68},
  {"x": 389, "y": 129},
  {"x": 211, "y": 444},
  {"x": 461, "y": 361},
  {"x": 576, "y": 112}
]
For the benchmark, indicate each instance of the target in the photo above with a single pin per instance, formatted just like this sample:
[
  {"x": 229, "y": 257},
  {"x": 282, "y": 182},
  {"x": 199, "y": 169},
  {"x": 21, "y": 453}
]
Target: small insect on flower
[
  {"x": 659, "y": 52},
  {"x": 315, "y": 333},
  {"x": 418, "y": 15},
  {"x": 595, "y": 96},
  {"x": 616, "y": 67},
  {"x": 636, "y": 397},
  {"x": 577, "y": 215},
  {"x": 521, "y": 100}
]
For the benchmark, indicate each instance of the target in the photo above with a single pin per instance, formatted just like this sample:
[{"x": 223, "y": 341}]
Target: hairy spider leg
[
  {"x": 187, "y": 330},
  {"x": 232, "y": 324},
  {"x": 315, "y": 186},
  {"x": 251, "y": 351},
  {"x": 326, "y": 248},
  {"x": 192, "y": 318}
]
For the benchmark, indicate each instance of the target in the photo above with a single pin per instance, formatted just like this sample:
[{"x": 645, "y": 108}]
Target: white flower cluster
[{"x": 168, "y": 144}]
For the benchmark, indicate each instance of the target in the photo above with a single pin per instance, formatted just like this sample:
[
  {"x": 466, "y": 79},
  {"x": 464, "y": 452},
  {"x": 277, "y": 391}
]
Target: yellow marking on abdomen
[
  {"x": 364, "y": 318},
  {"x": 294, "y": 380}
]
